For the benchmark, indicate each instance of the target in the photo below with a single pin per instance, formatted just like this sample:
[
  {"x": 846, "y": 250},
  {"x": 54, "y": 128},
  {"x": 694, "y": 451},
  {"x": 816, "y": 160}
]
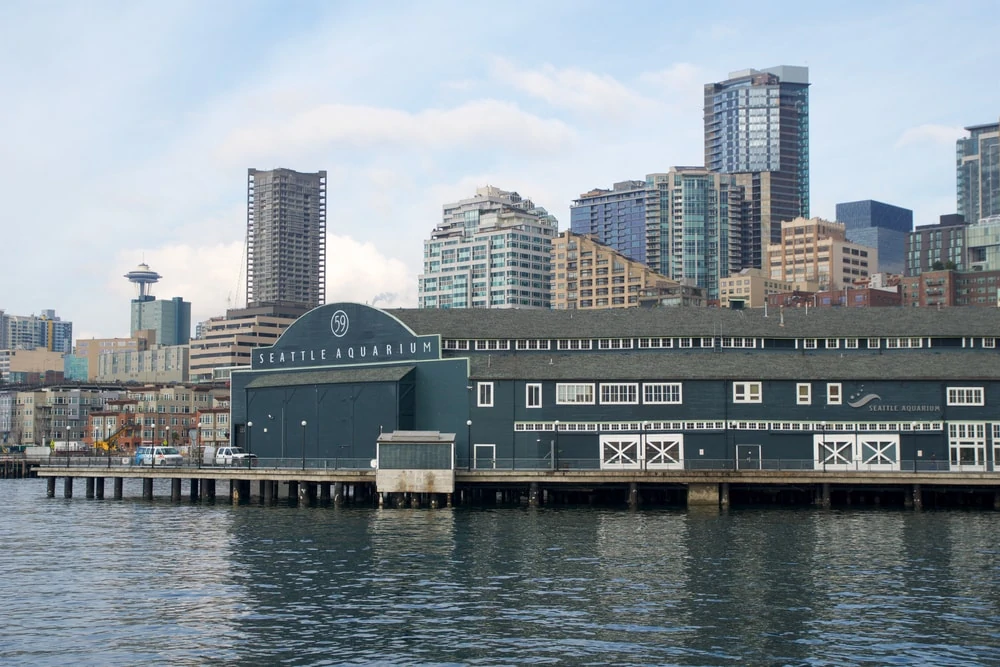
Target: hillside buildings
[
  {"x": 492, "y": 250},
  {"x": 757, "y": 126},
  {"x": 750, "y": 288},
  {"x": 286, "y": 237},
  {"x": 978, "y": 172},
  {"x": 817, "y": 250},
  {"x": 881, "y": 226},
  {"x": 589, "y": 275},
  {"x": 615, "y": 218},
  {"x": 934, "y": 247},
  {"x": 29, "y": 332}
]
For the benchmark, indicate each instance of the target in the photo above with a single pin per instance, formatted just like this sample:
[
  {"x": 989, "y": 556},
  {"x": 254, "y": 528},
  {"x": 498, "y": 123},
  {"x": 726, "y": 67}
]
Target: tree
[{"x": 937, "y": 266}]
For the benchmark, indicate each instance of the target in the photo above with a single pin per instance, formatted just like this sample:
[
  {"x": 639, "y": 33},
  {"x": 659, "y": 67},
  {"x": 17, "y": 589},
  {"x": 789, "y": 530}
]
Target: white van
[{"x": 228, "y": 456}]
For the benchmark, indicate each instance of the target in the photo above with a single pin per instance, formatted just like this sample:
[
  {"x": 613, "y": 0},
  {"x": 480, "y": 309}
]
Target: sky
[{"x": 127, "y": 128}]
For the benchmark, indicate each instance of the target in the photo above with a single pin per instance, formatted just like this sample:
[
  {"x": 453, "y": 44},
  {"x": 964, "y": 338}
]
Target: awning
[{"x": 330, "y": 376}]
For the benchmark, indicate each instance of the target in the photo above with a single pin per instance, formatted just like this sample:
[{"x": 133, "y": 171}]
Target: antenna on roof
[
  {"x": 781, "y": 313},
  {"x": 765, "y": 306}
]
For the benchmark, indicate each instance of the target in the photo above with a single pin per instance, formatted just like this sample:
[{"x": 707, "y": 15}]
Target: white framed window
[
  {"x": 803, "y": 393},
  {"x": 646, "y": 343},
  {"x": 531, "y": 344},
  {"x": 892, "y": 343},
  {"x": 614, "y": 344},
  {"x": 533, "y": 395},
  {"x": 708, "y": 342},
  {"x": 685, "y": 342},
  {"x": 574, "y": 393},
  {"x": 573, "y": 344},
  {"x": 851, "y": 343},
  {"x": 747, "y": 392},
  {"x": 810, "y": 343},
  {"x": 989, "y": 342},
  {"x": 832, "y": 343},
  {"x": 619, "y": 393},
  {"x": 965, "y": 396},
  {"x": 484, "y": 394},
  {"x": 492, "y": 344},
  {"x": 661, "y": 393},
  {"x": 873, "y": 343},
  {"x": 456, "y": 344},
  {"x": 834, "y": 396}
]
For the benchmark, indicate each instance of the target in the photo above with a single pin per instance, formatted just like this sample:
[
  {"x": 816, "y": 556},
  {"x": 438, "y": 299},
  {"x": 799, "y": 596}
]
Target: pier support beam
[
  {"x": 210, "y": 489},
  {"x": 175, "y": 489},
  {"x": 194, "y": 489},
  {"x": 533, "y": 495},
  {"x": 633, "y": 496},
  {"x": 234, "y": 491},
  {"x": 68, "y": 487},
  {"x": 90, "y": 487},
  {"x": 996, "y": 500},
  {"x": 703, "y": 494},
  {"x": 724, "y": 495},
  {"x": 147, "y": 488},
  {"x": 50, "y": 487},
  {"x": 100, "y": 488},
  {"x": 918, "y": 497},
  {"x": 825, "y": 496},
  {"x": 338, "y": 493},
  {"x": 324, "y": 493},
  {"x": 118, "y": 484},
  {"x": 435, "y": 502},
  {"x": 268, "y": 491}
]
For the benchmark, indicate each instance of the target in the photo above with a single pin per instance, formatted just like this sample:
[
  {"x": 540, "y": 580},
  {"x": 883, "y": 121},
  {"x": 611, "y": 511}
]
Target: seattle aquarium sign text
[{"x": 345, "y": 334}]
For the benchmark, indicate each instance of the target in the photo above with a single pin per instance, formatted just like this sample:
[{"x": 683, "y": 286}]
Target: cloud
[
  {"x": 678, "y": 78},
  {"x": 929, "y": 133},
  {"x": 485, "y": 123},
  {"x": 573, "y": 89},
  {"x": 357, "y": 271}
]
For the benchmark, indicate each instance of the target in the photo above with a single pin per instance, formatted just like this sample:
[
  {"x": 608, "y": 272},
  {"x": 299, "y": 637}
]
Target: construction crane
[{"x": 110, "y": 444}]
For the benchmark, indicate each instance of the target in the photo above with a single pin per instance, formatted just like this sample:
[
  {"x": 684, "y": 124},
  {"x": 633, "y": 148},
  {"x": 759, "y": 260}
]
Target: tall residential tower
[
  {"x": 286, "y": 237},
  {"x": 757, "y": 126},
  {"x": 978, "y": 172}
]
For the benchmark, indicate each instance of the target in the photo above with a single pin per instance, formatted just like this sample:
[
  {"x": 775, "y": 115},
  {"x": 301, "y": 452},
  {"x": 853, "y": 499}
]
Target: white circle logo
[{"x": 339, "y": 323}]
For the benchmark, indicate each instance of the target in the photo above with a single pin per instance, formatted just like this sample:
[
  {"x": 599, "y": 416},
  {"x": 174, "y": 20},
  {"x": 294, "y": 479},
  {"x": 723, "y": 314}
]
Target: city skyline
[{"x": 148, "y": 119}]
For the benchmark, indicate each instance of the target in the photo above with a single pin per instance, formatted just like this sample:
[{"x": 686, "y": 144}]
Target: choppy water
[{"x": 104, "y": 582}]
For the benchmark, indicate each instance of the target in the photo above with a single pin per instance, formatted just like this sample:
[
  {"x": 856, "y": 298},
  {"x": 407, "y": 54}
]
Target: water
[{"x": 104, "y": 582}]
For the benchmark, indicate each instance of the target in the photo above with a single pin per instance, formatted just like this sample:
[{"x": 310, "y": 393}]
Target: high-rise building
[
  {"x": 877, "y": 225},
  {"x": 757, "y": 126},
  {"x": 937, "y": 247},
  {"x": 696, "y": 234},
  {"x": 978, "y": 172},
  {"x": 170, "y": 320},
  {"x": 616, "y": 218},
  {"x": 31, "y": 332},
  {"x": 490, "y": 251},
  {"x": 589, "y": 275},
  {"x": 817, "y": 251},
  {"x": 286, "y": 237}
]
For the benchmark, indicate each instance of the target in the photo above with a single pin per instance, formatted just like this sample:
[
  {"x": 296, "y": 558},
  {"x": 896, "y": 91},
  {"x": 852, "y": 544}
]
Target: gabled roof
[
  {"x": 698, "y": 322},
  {"x": 330, "y": 376}
]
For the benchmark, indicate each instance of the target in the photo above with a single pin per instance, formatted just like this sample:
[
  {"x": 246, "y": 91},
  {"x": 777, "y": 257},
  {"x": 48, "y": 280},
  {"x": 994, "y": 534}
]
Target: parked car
[
  {"x": 228, "y": 456},
  {"x": 158, "y": 456}
]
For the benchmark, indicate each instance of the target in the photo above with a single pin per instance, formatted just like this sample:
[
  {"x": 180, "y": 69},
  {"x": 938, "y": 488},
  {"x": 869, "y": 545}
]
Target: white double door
[
  {"x": 849, "y": 451},
  {"x": 647, "y": 451}
]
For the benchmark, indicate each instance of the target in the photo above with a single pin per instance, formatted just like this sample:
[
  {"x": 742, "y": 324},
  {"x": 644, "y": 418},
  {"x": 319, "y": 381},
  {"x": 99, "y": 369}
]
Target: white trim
[
  {"x": 832, "y": 343},
  {"x": 803, "y": 398},
  {"x": 834, "y": 393},
  {"x": 810, "y": 343},
  {"x": 748, "y": 392},
  {"x": 491, "y": 457},
  {"x": 530, "y": 389},
  {"x": 484, "y": 394},
  {"x": 666, "y": 391},
  {"x": 611, "y": 393},
  {"x": 965, "y": 396},
  {"x": 579, "y": 393}
]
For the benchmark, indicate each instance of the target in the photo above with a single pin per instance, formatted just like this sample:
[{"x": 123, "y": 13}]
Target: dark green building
[{"x": 881, "y": 389}]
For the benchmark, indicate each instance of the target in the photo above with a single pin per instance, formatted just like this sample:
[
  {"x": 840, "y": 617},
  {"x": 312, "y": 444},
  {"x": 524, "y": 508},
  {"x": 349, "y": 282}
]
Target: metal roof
[
  {"x": 330, "y": 376},
  {"x": 514, "y": 323}
]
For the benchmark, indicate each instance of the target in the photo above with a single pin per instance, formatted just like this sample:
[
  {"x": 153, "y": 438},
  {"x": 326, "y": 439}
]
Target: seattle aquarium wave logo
[{"x": 861, "y": 399}]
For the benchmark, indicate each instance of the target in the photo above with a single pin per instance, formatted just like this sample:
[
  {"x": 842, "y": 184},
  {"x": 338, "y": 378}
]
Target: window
[
  {"x": 873, "y": 343},
  {"x": 661, "y": 393},
  {"x": 965, "y": 396},
  {"x": 803, "y": 393},
  {"x": 684, "y": 342},
  {"x": 492, "y": 344},
  {"x": 484, "y": 392},
  {"x": 832, "y": 343},
  {"x": 619, "y": 393},
  {"x": 746, "y": 392},
  {"x": 990, "y": 342},
  {"x": 809, "y": 343},
  {"x": 574, "y": 394},
  {"x": 533, "y": 395},
  {"x": 614, "y": 344},
  {"x": 833, "y": 393},
  {"x": 851, "y": 343},
  {"x": 531, "y": 344}
]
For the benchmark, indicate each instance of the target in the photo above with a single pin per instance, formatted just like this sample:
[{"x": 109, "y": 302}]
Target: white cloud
[
  {"x": 486, "y": 123},
  {"x": 929, "y": 133},
  {"x": 573, "y": 89},
  {"x": 357, "y": 271}
]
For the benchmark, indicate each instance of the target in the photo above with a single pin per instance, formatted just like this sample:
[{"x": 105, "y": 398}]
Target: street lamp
[
  {"x": 249, "y": 431},
  {"x": 555, "y": 447},
  {"x": 468, "y": 438},
  {"x": 303, "y": 444}
]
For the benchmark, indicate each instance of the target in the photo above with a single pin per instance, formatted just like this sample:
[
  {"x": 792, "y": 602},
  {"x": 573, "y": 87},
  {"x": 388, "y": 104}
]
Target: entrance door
[
  {"x": 879, "y": 451},
  {"x": 967, "y": 445},
  {"x": 834, "y": 451},
  {"x": 484, "y": 457},
  {"x": 748, "y": 457},
  {"x": 664, "y": 451},
  {"x": 620, "y": 452}
]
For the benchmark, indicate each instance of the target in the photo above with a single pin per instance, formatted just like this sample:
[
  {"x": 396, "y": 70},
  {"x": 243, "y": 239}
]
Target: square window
[{"x": 747, "y": 392}]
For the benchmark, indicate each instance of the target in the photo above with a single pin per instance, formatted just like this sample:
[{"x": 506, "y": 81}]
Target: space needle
[{"x": 143, "y": 278}]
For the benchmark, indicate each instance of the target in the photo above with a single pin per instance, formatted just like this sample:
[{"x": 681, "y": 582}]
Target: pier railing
[{"x": 530, "y": 464}]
